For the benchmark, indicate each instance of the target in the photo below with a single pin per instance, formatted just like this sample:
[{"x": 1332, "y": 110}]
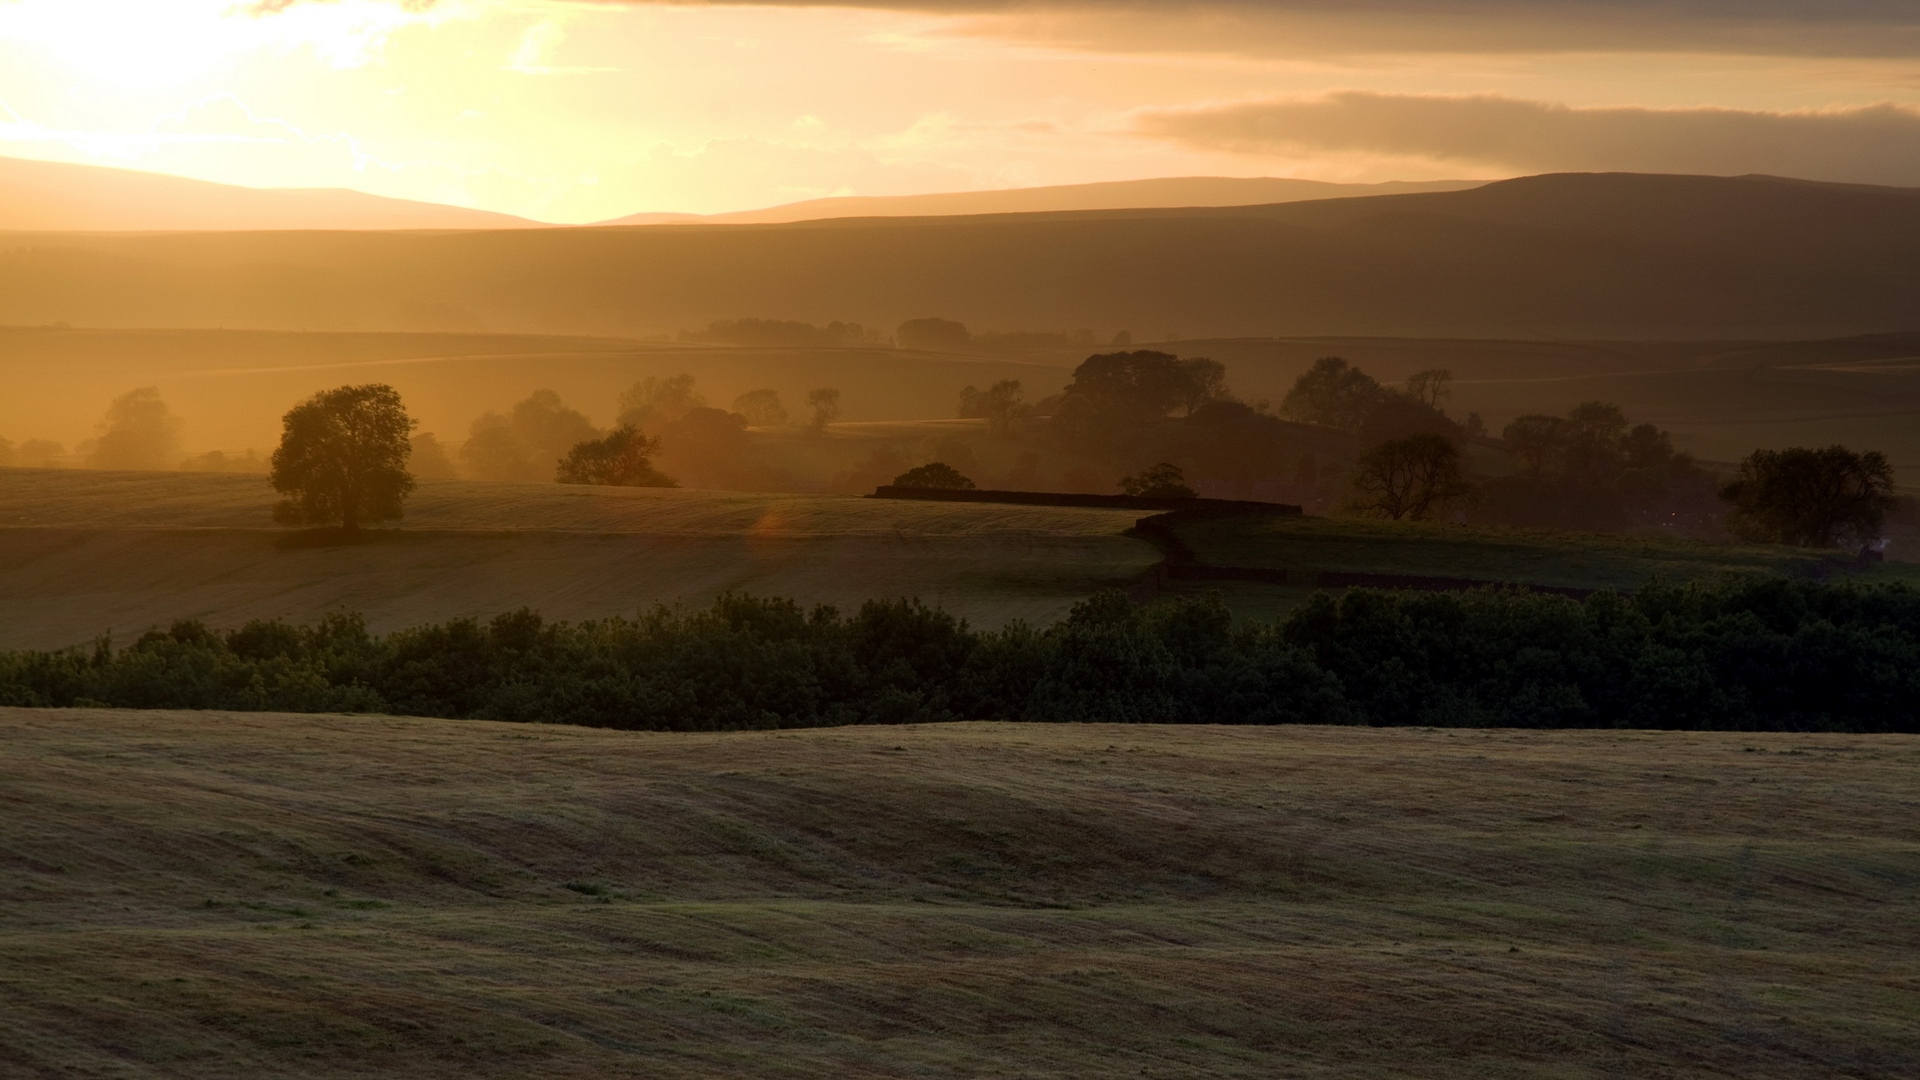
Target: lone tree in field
[
  {"x": 825, "y": 403},
  {"x": 1811, "y": 498},
  {"x": 1417, "y": 478},
  {"x": 938, "y": 474},
  {"x": 1163, "y": 481},
  {"x": 343, "y": 458},
  {"x": 623, "y": 459}
]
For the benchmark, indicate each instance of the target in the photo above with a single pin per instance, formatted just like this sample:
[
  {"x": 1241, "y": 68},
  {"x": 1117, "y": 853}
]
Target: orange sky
[{"x": 580, "y": 111}]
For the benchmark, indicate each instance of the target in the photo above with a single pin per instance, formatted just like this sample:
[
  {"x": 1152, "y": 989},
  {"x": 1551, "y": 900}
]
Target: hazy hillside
[
  {"x": 46, "y": 195},
  {"x": 1576, "y": 255},
  {"x": 1112, "y": 195}
]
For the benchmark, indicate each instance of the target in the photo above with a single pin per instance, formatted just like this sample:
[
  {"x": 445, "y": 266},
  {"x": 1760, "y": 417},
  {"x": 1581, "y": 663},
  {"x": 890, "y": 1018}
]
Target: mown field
[
  {"x": 222, "y": 895},
  {"x": 83, "y": 552}
]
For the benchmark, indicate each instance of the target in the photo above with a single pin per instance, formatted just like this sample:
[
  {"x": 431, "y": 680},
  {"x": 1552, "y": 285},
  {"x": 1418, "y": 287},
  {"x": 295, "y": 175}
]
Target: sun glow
[{"x": 149, "y": 44}]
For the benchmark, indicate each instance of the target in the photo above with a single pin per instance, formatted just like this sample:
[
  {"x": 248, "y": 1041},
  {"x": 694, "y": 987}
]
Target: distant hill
[
  {"x": 1565, "y": 256},
  {"x": 46, "y": 195},
  {"x": 1171, "y": 191}
]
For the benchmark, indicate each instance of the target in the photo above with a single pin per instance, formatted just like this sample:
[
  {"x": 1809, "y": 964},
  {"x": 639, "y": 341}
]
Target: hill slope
[
  {"x": 1622, "y": 256},
  {"x": 47, "y": 195},
  {"x": 222, "y": 895},
  {"x": 1113, "y": 195}
]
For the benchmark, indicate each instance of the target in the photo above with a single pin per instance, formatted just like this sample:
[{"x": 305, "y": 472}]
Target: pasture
[
  {"x": 84, "y": 552},
  {"x": 233, "y": 895}
]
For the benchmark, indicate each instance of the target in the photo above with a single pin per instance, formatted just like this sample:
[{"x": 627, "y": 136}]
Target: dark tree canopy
[
  {"x": 624, "y": 458},
  {"x": 1145, "y": 385},
  {"x": 1162, "y": 481},
  {"x": 1335, "y": 394},
  {"x": 343, "y": 458},
  {"x": 936, "y": 474},
  {"x": 1416, "y": 478},
  {"x": 1812, "y": 498}
]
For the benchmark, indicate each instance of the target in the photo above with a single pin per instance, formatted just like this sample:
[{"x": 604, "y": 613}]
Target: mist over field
[{"x": 1241, "y": 538}]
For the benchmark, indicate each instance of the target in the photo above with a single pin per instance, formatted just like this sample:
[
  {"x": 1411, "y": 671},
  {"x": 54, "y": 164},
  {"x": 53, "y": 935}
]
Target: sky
[{"x": 583, "y": 110}]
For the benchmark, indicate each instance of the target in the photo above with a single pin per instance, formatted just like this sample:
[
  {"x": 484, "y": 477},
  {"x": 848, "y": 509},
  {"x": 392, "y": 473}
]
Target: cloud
[
  {"x": 1857, "y": 28},
  {"x": 1878, "y": 144}
]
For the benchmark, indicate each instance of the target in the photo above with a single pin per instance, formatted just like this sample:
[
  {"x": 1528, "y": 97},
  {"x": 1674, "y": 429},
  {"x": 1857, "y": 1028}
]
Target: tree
[
  {"x": 825, "y": 403},
  {"x": 139, "y": 432},
  {"x": 1335, "y": 394},
  {"x": 343, "y": 458},
  {"x": 654, "y": 401},
  {"x": 524, "y": 444},
  {"x": 1811, "y": 498},
  {"x": 935, "y": 335},
  {"x": 1145, "y": 385},
  {"x": 1430, "y": 387},
  {"x": 622, "y": 459},
  {"x": 999, "y": 404},
  {"x": 1162, "y": 481},
  {"x": 937, "y": 474},
  {"x": 762, "y": 408},
  {"x": 1417, "y": 477}
]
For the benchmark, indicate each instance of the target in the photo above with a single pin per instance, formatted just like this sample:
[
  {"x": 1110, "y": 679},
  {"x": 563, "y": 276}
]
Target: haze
[{"x": 578, "y": 112}]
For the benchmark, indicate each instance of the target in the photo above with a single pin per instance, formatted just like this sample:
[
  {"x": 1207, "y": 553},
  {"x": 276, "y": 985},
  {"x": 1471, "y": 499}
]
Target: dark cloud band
[{"x": 1877, "y": 144}]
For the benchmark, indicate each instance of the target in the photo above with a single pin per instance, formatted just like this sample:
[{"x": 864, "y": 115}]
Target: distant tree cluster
[
  {"x": 1736, "y": 655},
  {"x": 624, "y": 458},
  {"x": 1812, "y": 498},
  {"x": 1335, "y": 394},
  {"x": 1593, "y": 468},
  {"x": 1000, "y": 405},
  {"x": 946, "y": 335},
  {"x": 937, "y": 474},
  {"x": 774, "y": 333}
]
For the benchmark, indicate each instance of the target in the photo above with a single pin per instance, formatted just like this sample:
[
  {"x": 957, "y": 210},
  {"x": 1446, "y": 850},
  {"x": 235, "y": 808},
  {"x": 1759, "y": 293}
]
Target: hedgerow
[{"x": 1735, "y": 655}]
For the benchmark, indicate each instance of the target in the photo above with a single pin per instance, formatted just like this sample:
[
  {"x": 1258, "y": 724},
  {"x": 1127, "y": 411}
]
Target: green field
[
  {"x": 220, "y": 895},
  {"x": 84, "y": 552}
]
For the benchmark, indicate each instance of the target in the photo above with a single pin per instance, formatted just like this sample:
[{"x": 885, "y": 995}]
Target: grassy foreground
[{"x": 213, "y": 895}]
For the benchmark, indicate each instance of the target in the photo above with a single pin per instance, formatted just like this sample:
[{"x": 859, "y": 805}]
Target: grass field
[
  {"x": 1308, "y": 546},
  {"x": 217, "y": 895},
  {"x": 83, "y": 552}
]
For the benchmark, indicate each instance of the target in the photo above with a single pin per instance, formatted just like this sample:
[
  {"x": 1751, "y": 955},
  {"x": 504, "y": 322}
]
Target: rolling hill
[
  {"x": 1559, "y": 256},
  {"x": 228, "y": 895},
  {"x": 55, "y": 196},
  {"x": 1112, "y": 195}
]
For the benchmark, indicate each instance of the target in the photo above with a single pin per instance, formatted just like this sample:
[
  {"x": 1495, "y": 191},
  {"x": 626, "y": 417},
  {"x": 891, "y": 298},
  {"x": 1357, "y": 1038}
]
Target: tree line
[{"x": 1745, "y": 654}]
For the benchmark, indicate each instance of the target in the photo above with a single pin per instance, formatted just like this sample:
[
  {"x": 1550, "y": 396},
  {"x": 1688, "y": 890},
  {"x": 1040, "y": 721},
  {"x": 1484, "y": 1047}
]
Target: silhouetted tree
[
  {"x": 622, "y": 459},
  {"x": 1335, "y": 394},
  {"x": 825, "y": 403},
  {"x": 999, "y": 404},
  {"x": 343, "y": 458},
  {"x": 936, "y": 474},
  {"x": 1416, "y": 477},
  {"x": 762, "y": 408},
  {"x": 524, "y": 443},
  {"x": 1136, "y": 387},
  {"x": 1812, "y": 498},
  {"x": 1430, "y": 387},
  {"x": 1162, "y": 481},
  {"x": 654, "y": 402},
  {"x": 139, "y": 432}
]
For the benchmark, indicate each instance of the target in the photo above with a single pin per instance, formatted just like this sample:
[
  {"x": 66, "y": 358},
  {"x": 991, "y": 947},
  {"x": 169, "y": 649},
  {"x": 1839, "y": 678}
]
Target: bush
[{"x": 1737, "y": 655}]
